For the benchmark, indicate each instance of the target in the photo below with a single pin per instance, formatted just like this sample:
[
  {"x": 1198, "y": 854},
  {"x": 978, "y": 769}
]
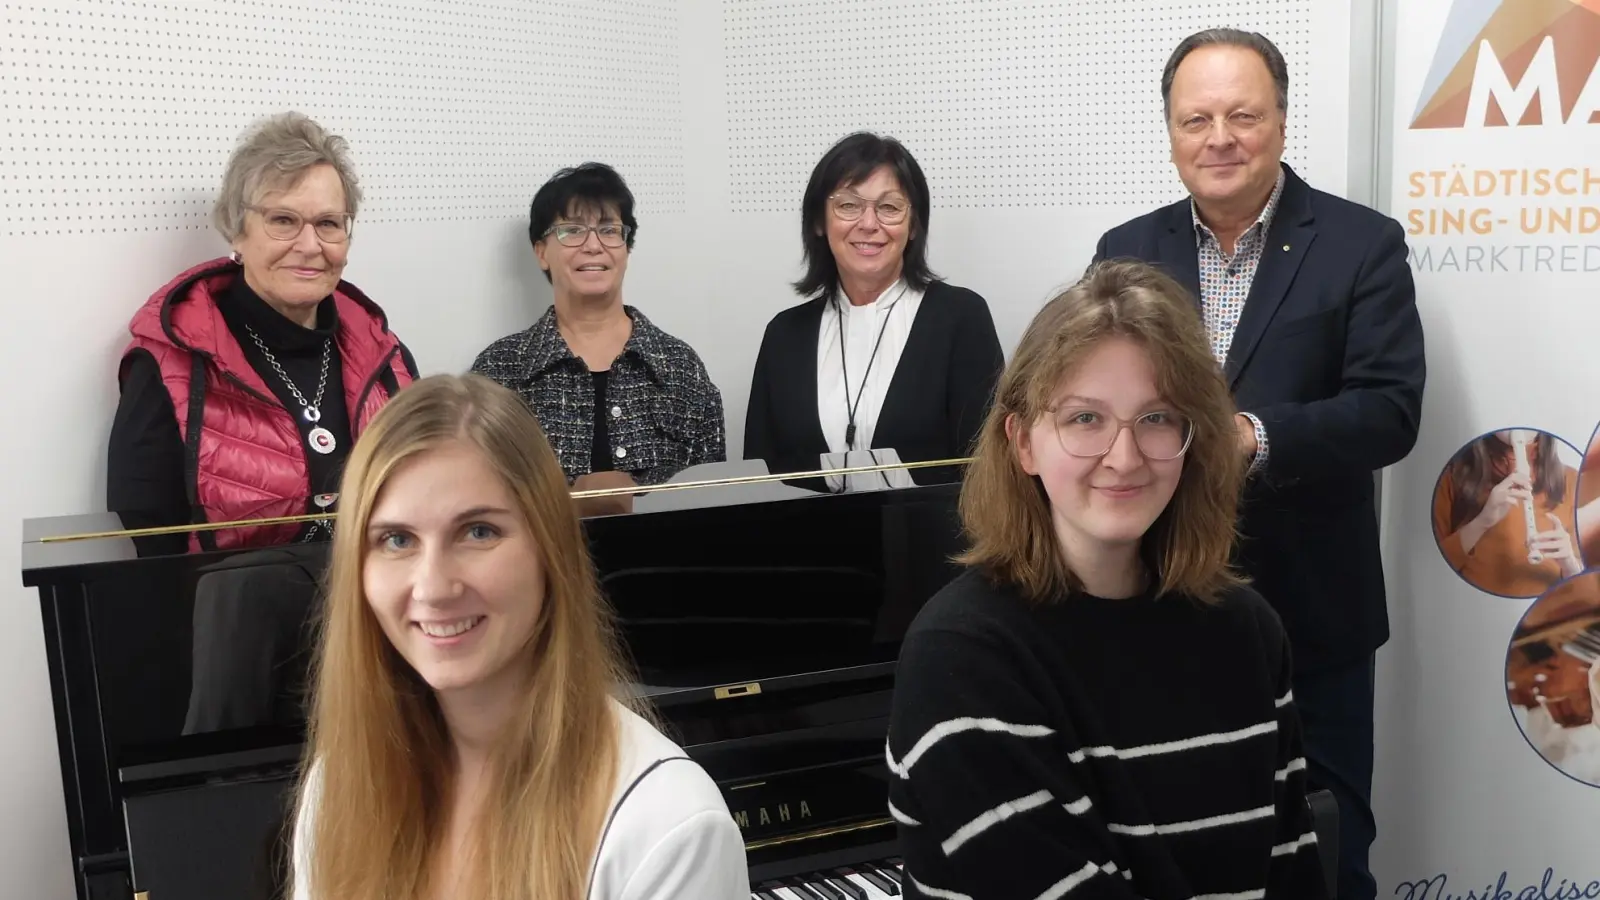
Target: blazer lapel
[
  {"x": 1288, "y": 238},
  {"x": 1178, "y": 251},
  {"x": 905, "y": 384},
  {"x": 802, "y": 375}
]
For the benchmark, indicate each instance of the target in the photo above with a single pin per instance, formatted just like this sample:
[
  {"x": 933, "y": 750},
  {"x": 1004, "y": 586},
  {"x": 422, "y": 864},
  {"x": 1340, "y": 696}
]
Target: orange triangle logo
[{"x": 1513, "y": 62}]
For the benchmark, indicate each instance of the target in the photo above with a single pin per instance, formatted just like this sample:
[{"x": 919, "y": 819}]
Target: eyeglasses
[
  {"x": 891, "y": 209},
  {"x": 286, "y": 225},
  {"x": 1086, "y": 433},
  {"x": 1238, "y": 124},
  {"x": 576, "y": 234}
]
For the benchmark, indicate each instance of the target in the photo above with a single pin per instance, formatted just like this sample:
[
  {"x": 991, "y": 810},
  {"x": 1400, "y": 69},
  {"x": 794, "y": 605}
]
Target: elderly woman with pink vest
[{"x": 249, "y": 377}]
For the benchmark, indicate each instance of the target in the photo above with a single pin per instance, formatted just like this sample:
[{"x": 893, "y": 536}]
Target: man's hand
[{"x": 1247, "y": 435}]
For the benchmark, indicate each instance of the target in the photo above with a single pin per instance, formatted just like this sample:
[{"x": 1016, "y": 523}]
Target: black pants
[
  {"x": 252, "y": 640},
  {"x": 1336, "y": 713}
]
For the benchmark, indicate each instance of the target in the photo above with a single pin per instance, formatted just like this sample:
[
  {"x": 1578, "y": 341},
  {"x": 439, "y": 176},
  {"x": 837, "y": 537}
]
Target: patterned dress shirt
[
  {"x": 1225, "y": 285},
  {"x": 664, "y": 414}
]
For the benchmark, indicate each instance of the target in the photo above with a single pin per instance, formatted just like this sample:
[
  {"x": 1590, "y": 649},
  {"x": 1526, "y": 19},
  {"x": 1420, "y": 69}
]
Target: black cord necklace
[{"x": 844, "y": 367}]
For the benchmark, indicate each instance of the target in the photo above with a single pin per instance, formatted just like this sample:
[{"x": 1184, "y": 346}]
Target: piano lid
[
  {"x": 58, "y": 547},
  {"x": 754, "y": 605},
  {"x": 714, "y": 581}
]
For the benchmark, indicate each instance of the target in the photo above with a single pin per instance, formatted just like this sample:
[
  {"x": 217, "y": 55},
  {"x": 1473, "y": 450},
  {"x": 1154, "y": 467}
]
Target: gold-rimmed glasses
[
  {"x": 1196, "y": 127},
  {"x": 286, "y": 225},
  {"x": 848, "y": 206},
  {"x": 1089, "y": 433}
]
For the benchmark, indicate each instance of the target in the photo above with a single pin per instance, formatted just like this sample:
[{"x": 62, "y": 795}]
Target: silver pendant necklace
[{"x": 320, "y": 439}]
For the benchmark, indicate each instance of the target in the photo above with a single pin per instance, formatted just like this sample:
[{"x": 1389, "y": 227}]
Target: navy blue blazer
[{"x": 1328, "y": 354}]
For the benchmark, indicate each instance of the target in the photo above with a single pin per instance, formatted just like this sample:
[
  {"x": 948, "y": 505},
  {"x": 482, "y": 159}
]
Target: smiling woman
[
  {"x": 1099, "y": 650},
  {"x": 622, "y": 401},
  {"x": 884, "y": 355},
  {"x": 248, "y": 377},
  {"x": 466, "y": 739}
]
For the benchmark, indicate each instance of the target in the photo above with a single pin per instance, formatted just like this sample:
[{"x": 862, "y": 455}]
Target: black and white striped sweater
[{"x": 1093, "y": 749}]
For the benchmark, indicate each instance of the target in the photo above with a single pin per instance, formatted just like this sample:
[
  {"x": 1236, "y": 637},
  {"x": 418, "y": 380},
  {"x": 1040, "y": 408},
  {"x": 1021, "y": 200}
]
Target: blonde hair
[
  {"x": 274, "y": 154},
  {"x": 378, "y": 744},
  {"x": 1005, "y": 511}
]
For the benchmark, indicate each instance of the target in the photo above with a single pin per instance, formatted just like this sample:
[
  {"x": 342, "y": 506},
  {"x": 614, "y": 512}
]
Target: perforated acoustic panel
[
  {"x": 120, "y": 115},
  {"x": 1003, "y": 103}
]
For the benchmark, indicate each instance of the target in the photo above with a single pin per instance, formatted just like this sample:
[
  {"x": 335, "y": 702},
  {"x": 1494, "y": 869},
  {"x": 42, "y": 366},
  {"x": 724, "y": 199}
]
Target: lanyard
[{"x": 844, "y": 367}]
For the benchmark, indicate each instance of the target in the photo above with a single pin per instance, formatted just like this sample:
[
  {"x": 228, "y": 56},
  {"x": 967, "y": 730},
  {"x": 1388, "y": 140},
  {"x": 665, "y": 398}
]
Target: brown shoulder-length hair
[
  {"x": 1484, "y": 463},
  {"x": 1005, "y": 511},
  {"x": 378, "y": 755}
]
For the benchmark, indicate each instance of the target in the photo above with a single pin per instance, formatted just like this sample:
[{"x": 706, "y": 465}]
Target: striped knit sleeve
[
  {"x": 987, "y": 804},
  {"x": 1296, "y": 868}
]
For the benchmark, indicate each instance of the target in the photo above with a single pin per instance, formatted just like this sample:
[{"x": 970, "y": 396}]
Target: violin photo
[{"x": 1552, "y": 680}]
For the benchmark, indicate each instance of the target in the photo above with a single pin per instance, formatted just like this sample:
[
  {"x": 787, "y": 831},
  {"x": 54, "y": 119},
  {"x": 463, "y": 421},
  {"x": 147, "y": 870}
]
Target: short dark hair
[
  {"x": 851, "y": 161},
  {"x": 1227, "y": 37},
  {"x": 590, "y": 187}
]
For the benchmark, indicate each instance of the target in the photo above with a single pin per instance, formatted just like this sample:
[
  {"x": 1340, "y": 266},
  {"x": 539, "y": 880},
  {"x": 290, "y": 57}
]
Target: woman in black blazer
[{"x": 919, "y": 359}]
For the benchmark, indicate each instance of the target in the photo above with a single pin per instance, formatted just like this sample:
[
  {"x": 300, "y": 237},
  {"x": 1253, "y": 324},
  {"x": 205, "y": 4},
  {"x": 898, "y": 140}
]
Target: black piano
[{"x": 763, "y": 620}]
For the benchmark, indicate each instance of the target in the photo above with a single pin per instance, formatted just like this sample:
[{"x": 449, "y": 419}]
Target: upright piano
[{"x": 763, "y": 619}]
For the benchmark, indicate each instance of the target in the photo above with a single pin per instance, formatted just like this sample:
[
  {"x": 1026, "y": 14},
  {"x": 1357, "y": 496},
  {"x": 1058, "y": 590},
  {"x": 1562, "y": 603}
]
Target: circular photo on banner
[
  {"x": 1552, "y": 680},
  {"x": 1503, "y": 512},
  {"x": 1588, "y": 514}
]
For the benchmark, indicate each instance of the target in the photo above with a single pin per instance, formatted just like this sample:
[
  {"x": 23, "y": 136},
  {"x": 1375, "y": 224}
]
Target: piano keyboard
[
  {"x": 1585, "y": 645},
  {"x": 862, "y": 881}
]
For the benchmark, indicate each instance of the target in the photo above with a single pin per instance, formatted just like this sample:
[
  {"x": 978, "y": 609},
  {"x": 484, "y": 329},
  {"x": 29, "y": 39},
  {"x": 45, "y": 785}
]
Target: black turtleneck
[
  {"x": 145, "y": 472},
  {"x": 299, "y": 351}
]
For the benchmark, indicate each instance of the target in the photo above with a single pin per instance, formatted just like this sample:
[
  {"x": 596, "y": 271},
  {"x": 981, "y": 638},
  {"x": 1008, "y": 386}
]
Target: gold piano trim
[
  {"x": 729, "y": 691},
  {"x": 576, "y": 495},
  {"x": 816, "y": 834}
]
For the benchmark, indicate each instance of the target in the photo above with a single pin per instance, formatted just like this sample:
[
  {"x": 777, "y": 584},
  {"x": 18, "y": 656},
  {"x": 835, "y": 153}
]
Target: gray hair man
[{"x": 1311, "y": 310}]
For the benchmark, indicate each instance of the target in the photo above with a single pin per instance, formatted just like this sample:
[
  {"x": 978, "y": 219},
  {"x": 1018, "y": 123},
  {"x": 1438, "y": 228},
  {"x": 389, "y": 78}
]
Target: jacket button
[
  {"x": 622, "y": 453},
  {"x": 616, "y": 412}
]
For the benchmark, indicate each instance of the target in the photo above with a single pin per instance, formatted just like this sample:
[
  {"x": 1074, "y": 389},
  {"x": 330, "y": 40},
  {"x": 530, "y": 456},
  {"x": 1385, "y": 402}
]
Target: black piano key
[
  {"x": 888, "y": 871},
  {"x": 768, "y": 890},
  {"x": 845, "y": 886},
  {"x": 799, "y": 886},
  {"x": 819, "y": 882},
  {"x": 878, "y": 880},
  {"x": 765, "y": 895}
]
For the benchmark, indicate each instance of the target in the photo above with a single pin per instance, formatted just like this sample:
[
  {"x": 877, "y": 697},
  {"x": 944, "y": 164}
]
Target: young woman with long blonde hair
[
  {"x": 1099, "y": 707},
  {"x": 466, "y": 740}
]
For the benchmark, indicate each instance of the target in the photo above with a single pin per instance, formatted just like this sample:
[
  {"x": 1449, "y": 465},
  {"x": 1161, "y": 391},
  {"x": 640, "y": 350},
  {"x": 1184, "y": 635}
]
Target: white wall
[{"x": 1038, "y": 124}]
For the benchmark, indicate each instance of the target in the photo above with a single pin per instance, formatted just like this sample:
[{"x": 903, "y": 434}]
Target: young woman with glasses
[
  {"x": 1099, "y": 707},
  {"x": 622, "y": 401},
  {"x": 883, "y": 355}
]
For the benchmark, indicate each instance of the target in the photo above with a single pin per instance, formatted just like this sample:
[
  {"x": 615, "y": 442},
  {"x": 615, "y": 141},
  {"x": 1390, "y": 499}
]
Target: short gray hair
[
  {"x": 1227, "y": 37},
  {"x": 274, "y": 154}
]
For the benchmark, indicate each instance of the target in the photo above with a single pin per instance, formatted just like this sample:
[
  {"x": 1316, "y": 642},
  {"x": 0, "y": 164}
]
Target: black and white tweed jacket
[{"x": 666, "y": 415}]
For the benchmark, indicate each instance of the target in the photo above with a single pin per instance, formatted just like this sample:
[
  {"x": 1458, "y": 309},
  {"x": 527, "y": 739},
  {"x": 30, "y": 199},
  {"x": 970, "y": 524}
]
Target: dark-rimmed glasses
[
  {"x": 1088, "y": 433},
  {"x": 575, "y": 234},
  {"x": 847, "y": 206},
  {"x": 286, "y": 225}
]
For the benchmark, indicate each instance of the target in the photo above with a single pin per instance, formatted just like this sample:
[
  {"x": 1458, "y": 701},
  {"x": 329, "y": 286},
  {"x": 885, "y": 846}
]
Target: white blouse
[
  {"x": 671, "y": 839},
  {"x": 873, "y": 339}
]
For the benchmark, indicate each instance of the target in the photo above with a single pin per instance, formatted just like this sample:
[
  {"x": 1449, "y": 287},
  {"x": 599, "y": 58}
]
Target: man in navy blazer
[{"x": 1311, "y": 310}]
